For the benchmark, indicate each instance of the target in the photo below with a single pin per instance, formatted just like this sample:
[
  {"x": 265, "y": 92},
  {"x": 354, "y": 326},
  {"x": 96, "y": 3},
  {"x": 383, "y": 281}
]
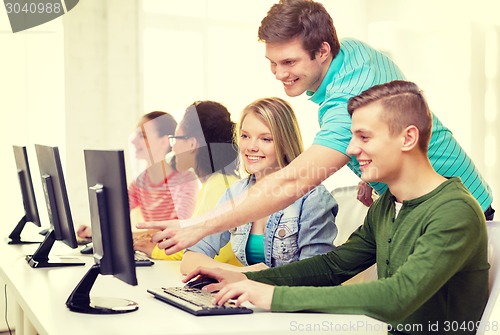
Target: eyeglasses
[{"x": 173, "y": 138}]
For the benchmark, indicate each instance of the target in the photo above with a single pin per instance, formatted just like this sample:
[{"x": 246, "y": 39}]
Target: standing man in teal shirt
[
  {"x": 426, "y": 233},
  {"x": 306, "y": 56}
]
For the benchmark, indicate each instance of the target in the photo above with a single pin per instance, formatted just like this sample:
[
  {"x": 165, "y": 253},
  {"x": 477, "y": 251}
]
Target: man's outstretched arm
[{"x": 274, "y": 192}]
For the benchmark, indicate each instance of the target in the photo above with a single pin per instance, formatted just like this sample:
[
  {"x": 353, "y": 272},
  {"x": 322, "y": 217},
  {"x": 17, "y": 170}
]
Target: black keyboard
[
  {"x": 196, "y": 301},
  {"x": 142, "y": 260}
]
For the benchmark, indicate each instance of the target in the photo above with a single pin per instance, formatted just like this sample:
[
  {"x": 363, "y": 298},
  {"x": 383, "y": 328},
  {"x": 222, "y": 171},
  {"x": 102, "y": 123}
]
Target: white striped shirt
[{"x": 173, "y": 198}]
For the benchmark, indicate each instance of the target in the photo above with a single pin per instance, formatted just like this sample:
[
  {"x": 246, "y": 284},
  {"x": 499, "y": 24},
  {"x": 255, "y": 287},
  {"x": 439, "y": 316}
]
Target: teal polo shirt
[{"x": 358, "y": 67}]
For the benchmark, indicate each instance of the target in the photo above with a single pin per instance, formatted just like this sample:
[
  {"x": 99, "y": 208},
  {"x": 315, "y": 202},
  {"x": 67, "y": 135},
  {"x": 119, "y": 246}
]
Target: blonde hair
[{"x": 279, "y": 116}]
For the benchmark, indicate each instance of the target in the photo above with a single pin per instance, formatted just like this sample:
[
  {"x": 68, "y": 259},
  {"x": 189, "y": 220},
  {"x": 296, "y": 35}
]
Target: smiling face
[
  {"x": 256, "y": 145},
  {"x": 292, "y": 65},
  {"x": 377, "y": 151}
]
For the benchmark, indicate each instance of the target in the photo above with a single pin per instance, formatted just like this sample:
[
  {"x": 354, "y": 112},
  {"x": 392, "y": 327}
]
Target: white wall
[
  {"x": 102, "y": 86},
  {"x": 94, "y": 71},
  {"x": 32, "y": 108},
  {"x": 32, "y": 104}
]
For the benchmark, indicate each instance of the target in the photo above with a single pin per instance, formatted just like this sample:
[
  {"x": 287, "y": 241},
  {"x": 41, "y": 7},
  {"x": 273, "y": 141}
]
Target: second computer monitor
[
  {"x": 56, "y": 198},
  {"x": 111, "y": 233}
]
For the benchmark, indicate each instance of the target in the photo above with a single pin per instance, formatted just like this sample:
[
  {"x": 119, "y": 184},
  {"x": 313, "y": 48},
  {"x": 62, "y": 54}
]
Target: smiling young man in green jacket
[{"x": 426, "y": 234}]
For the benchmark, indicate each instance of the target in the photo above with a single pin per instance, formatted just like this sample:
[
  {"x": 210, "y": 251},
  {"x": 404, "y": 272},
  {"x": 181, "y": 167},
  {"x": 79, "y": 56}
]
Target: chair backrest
[
  {"x": 490, "y": 321},
  {"x": 351, "y": 212},
  {"x": 351, "y": 215}
]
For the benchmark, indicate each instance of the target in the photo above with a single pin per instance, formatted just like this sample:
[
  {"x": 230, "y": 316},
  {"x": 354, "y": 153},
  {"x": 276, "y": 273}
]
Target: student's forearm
[
  {"x": 312, "y": 271},
  {"x": 276, "y": 191},
  {"x": 267, "y": 196},
  {"x": 193, "y": 259}
]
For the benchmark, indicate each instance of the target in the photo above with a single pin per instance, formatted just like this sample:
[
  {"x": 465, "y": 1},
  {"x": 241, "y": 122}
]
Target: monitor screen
[
  {"x": 111, "y": 233},
  {"x": 28, "y": 196},
  {"x": 56, "y": 198}
]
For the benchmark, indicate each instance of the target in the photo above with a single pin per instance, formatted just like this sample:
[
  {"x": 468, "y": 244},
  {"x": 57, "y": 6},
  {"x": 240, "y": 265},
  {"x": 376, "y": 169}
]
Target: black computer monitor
[
  {"x": 111, "y": 233},
  {"x": 61, "y": 221},
  {"x": 28, "y": 195}
]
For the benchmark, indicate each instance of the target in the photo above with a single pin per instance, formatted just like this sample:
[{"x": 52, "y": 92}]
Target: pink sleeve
[
  {"x": 133, "y": 199},
  {"x": 184, "y": 195}
]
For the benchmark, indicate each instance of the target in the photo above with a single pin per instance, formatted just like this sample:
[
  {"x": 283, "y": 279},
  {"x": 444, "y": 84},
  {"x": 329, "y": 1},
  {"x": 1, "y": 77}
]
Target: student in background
[
  {"x": 203, "y": 142},
  {"x": 160, "y": 192},
  {"x": 426, "y": 233},
  {"x": 306, "y": 56},
  {"x": 269, "y": 138}
]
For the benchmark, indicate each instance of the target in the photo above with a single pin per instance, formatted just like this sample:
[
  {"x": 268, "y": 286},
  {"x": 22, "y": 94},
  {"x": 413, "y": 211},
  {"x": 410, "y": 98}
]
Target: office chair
[
  {"x": 350, "y": 216},
  {"x": 492, "y": 311}
]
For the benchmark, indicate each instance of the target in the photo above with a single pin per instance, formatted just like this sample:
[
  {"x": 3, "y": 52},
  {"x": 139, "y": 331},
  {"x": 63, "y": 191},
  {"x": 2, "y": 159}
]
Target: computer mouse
[
  {"x": 87, "y": 250},
  {"x": 200, "y": 281}
]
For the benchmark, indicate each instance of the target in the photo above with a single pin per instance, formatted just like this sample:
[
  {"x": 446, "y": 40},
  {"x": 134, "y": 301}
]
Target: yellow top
[{"x": 211, "y": 191}]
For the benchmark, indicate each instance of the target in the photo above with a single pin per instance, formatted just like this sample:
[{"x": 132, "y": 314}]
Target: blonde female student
[{"x": 269, "y": 139}]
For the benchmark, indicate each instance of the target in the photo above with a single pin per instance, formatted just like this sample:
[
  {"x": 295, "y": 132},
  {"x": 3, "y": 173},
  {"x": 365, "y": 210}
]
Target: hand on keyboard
[
  {"x": 218, "y": 275},
  {"x": 200, "y": 281},
  {"x": 258, "y": 294},
  {"x": 142, "y": 242},
  {"x": 196, "y": 302}
]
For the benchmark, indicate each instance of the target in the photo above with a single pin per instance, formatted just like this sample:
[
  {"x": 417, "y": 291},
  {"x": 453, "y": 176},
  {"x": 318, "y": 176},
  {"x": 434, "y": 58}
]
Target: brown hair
[
  {"x": 403, "y": 105},
  {"x": 305, "y": 19},
  {"x": 165, "y": 123},
  {"x": 220, "y": 153}
]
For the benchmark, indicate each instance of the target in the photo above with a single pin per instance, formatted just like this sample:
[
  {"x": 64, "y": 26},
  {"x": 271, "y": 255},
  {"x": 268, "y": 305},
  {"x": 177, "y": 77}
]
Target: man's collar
[{"x": 319, "y": 96}]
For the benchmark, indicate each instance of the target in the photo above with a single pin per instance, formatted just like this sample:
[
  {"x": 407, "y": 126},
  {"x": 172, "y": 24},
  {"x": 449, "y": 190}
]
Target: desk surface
[{"x": 42, "y": 294}]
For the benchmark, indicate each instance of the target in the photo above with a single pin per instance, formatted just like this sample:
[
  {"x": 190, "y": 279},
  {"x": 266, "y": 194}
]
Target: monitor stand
[
  {"x": 44, "y": 232},
  {"x": 79, "y": 300},
  {"x": 40, "y": 259},
  {"x": 15, "y": 235}
]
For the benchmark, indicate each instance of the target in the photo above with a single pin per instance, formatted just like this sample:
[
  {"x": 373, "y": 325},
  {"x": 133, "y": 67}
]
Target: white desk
[{"x": 41, "y": 295}]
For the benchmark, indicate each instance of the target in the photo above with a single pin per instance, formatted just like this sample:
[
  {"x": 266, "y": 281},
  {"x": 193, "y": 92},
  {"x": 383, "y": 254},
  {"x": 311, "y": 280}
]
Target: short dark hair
[
  {"x": 163, "y": 122},
  {"x": 404, "y": 105},
  {"x": 220, "y": 153},
  {"x": 305, "y": 19}
]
